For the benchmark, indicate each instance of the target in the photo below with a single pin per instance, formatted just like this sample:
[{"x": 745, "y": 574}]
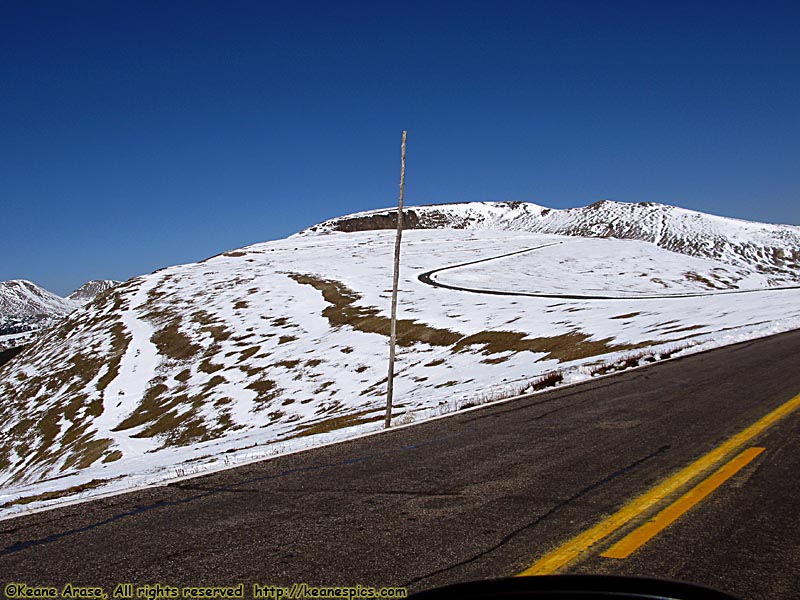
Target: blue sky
[{"x": 137, "y": 135}]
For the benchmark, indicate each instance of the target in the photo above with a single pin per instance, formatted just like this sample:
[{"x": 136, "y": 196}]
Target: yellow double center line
[{"x": 571, "y": 550}]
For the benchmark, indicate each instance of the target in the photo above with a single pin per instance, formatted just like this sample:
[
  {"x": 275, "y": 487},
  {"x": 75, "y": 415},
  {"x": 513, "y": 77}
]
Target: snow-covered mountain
[
  {"x": 90, "y": 289},
  {"x": 775, "y": 249},
  {"x": 26, "y": 308},
  {"x": 21, "y": 298},
  {"x": 283, "y": 344}
]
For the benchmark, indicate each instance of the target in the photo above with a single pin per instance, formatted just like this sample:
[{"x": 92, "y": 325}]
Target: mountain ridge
[
  {"x": 23, "y": 298},
  {"x": 734, "y": 241}
]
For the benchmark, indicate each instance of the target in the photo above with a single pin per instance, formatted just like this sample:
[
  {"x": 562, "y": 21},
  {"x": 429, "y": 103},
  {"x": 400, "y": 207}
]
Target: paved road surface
[
  {"x": 430, "y": 278},
  {"x": 486, "y": 493}
]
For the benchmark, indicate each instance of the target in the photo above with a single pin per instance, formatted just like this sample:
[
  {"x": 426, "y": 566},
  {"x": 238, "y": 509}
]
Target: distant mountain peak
[
  {"x": 23, "y": 298},
  {"x": 90, "y": 289},
  {"x": 27, "y": 308}
]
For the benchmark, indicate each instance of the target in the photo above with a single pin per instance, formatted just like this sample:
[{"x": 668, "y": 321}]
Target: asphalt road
[
  {"x": 429, "y": 278},
  {"x": 482, "y": 494}
]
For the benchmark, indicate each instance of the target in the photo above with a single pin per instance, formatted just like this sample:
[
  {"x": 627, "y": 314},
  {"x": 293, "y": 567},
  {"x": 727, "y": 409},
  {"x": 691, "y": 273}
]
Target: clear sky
[{"x": 136, "y": 135}]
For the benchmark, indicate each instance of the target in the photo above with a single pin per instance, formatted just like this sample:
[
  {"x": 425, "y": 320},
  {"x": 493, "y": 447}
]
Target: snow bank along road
[{"x": 555, "y": 481}]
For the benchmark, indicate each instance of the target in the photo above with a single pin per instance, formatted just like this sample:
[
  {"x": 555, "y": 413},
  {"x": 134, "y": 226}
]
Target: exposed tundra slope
[{"x": 283, "y": 344}]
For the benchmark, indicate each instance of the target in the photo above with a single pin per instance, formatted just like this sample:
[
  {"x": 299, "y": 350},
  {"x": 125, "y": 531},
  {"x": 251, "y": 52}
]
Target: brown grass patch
[
  {"x": 287, "y": 364},
  {"x": 627, "y": 316},
  {"x": 547, "y": 380},
  {"x": 323, "y": 387},
  {"x": 692, "y": 276},
  {"x": 173, "y": 418},
  {"x": 344, "y": 312},
  {"x": 179, "y": 428},
  {"x": 88, "y": 452},
  {"x": 219, "y": 333},
  {"x": 634, "y": 360},
  {"x": 566, "y": 347},
  {"x": 112, "y": 456},
  {"x": 119, "y": 345},
  {"x": 495, "y": 361},
  {"x": 76, "y": 489},
  {"x": 153, "y": 405},
  {"x": 246, "y": 354},
  {"x": 446, "y": 384},
  {"x": 335, "y": 423},
  {"x": 209, "y": 367},
  {"x": 203, "y": 317},
  {"x": 265, "y": 388},
  {"x": 174, "y": 344},
  {"x": 214, "y": 382}
]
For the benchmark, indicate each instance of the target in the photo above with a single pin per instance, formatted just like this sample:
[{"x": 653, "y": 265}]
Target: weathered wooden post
[{"x": 393, "y": 327}]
